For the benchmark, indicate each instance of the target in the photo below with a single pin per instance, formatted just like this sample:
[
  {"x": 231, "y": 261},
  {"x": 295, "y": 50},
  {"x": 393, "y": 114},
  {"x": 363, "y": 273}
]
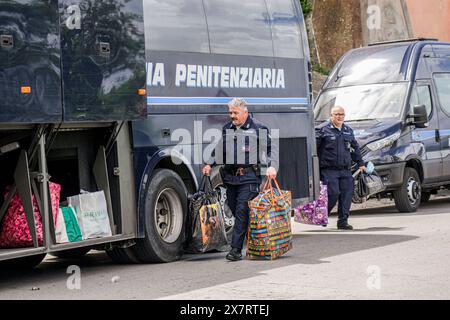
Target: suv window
[
  {"x": 175, "y": 25},
  {"x": 442, "y": 81},
  {"x": 244, "y": 32},
  {"x": 422, "y": 95}
]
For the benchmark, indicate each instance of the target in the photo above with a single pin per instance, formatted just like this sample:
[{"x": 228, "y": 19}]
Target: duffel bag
[{"x": 270, "y": 233}]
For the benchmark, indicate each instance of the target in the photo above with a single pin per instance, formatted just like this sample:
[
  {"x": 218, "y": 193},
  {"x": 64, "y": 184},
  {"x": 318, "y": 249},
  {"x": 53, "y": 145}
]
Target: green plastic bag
[{"x": 67, "y": 228}]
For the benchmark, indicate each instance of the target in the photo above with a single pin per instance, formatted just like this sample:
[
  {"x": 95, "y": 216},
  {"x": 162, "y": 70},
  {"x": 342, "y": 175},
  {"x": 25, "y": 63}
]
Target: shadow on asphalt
[
  {"x": 314, "y": 248},
  {"x": 197, "y": 270},
  {"x": 373, "y": 229},
  {"x": 424, "y": 209}
]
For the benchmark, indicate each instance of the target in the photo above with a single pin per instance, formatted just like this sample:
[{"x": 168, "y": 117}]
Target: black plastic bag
[
  {"x": 206, "y": 223},
  {"x": 367, "y": 185}
]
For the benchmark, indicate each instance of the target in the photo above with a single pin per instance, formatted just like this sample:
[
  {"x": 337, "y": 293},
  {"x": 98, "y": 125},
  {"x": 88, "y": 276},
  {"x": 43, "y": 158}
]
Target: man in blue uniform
[
  {"x": 337, "y": 149},
  {"x": 247, "y": 154}
]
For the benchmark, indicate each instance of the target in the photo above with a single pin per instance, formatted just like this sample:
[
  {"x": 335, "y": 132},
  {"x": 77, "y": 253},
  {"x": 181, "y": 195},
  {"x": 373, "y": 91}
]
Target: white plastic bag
[
  {"x": 60, "y": 230},
  {"x": 92, "y": 214}
]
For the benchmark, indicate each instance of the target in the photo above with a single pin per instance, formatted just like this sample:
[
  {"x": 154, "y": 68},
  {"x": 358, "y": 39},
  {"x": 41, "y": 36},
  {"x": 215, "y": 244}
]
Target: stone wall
[{"x": 337, "y": 28}]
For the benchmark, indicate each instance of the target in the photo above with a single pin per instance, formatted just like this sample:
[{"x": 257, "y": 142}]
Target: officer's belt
[{"x": 337, "y": 168}]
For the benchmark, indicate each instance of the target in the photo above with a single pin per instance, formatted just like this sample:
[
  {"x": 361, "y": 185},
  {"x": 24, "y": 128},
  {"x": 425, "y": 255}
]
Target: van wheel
[
  {"x": 407, "y": 197},
  {"x": 165, "y": 212}
]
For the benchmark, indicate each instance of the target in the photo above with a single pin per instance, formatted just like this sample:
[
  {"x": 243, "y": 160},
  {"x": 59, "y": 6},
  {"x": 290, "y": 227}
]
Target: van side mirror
[{"x": 420, "y": 117}]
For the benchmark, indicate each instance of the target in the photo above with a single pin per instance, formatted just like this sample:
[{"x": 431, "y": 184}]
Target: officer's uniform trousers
[
  {"x": 340, "y": 186},
  {"x": 238, "y": 197}
]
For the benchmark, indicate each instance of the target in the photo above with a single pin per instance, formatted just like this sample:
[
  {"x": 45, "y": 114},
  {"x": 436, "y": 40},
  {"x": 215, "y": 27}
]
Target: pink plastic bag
[
  {"x": 315, "y": 212},
  {"x": 14, "y": 231}
]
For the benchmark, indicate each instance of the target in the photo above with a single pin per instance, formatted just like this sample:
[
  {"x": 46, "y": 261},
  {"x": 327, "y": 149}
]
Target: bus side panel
[
  {"x": 294, "y": 144},
  {"x": 103, "y": 59},
  {"x": 29, "y": 61},
  {"x": 181, "y": 82}
]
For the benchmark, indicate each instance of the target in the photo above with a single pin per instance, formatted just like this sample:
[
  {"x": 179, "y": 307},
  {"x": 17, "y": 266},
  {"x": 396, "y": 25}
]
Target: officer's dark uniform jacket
[
  {"x": 252, "y": 151},
  {"x": 336, "y": 148},
  {"x": 244, "y": 151}
]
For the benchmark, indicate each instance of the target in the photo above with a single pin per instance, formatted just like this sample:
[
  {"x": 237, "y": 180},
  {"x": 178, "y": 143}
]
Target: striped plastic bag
[{"x": 270, "y": 233}]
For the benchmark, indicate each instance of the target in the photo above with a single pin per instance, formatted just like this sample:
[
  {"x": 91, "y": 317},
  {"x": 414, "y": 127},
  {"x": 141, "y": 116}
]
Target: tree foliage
[{"x": 306, "y": 7}]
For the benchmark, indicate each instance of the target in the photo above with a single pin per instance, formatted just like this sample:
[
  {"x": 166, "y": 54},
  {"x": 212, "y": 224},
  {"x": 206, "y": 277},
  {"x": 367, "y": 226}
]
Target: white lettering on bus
[
  {"x": 204, "y": 76},
  {"x": 180, "y": 74},
  {"x": 155, "y": 76}
]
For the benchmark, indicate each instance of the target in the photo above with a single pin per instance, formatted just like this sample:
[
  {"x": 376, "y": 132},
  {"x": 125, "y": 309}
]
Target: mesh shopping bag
[
  {"x": 316, "y": 212},
  {"x": 269, "y": 233}
]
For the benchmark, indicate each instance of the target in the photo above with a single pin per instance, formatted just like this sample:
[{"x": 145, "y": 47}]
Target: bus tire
[
  {"x": 76, "y": 253},
  {"x": 165, "y": 208},
  {"x": 407, "y": 198},
  {"x": 23, "y": 263}
]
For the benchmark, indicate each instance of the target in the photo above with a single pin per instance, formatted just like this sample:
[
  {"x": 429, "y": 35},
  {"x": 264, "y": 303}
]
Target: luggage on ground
[
  {"x": 270, "y": 234},
  {"x": 206, "y": 225},
  {"x": 316, "y": 212}
]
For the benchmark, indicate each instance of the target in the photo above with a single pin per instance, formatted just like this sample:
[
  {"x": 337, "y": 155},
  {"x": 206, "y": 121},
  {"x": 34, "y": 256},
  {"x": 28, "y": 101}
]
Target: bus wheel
[
  {"x": 407, "y": 197},
  {"x": 71, "y": 254},
  {"x": 23, "y": 263},
  {"x": 165, "y": 211}
]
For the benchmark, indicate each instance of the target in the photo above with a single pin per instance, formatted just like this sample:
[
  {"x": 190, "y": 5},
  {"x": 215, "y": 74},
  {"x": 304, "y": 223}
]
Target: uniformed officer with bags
[
  {"x": 337, "y": 149},
  {"x": 246, "y": 152}
]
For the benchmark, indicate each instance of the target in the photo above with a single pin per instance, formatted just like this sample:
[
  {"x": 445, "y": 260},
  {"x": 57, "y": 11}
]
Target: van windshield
[{"x": 366, "y": 102}]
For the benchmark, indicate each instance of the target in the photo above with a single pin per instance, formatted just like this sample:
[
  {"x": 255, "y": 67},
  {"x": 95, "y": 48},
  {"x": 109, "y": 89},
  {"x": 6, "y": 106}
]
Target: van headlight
[{"x": 383, "y": 143}]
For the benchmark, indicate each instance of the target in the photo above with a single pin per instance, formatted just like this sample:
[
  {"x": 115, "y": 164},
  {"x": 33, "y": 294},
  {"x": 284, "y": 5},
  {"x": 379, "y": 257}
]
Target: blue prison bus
[{"x": 94, "y": 96}]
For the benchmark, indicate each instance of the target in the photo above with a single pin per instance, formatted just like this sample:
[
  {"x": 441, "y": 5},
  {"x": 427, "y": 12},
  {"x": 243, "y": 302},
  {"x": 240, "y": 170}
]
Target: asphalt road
[{"x": 388, "y": 256}]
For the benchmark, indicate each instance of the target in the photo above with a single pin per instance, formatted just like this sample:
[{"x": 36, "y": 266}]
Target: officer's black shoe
[
  {"x": 234, "y": 255},
  {"x": 345, "y": 227}
]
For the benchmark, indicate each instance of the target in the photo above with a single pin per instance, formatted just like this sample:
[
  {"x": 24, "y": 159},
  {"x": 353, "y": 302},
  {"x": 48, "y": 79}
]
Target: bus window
[
  {"x": 175, "y": 25},
  {"x": 241, "y": 32},
  {"x": 285, "y": 29}
]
